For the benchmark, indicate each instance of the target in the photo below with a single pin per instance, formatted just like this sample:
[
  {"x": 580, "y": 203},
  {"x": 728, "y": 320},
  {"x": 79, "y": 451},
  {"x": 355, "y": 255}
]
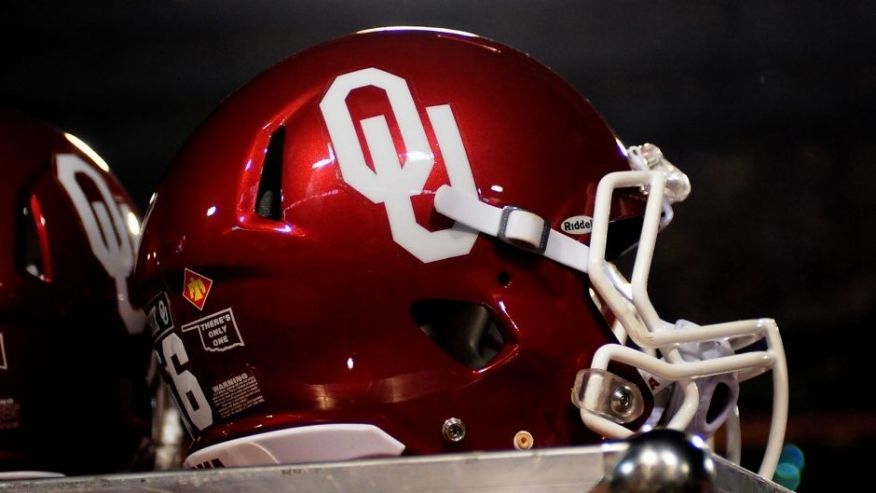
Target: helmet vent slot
[
  {"x": 270, "y": 197},
  {"x": 465, "y": 331},
  {"x": 31, "y": 249}
]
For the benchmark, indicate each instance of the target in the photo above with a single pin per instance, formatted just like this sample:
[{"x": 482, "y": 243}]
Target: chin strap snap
[{"x": 512, "y": 225}]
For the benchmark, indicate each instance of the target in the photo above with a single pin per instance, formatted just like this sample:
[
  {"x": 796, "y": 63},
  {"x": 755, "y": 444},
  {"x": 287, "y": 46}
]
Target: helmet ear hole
[
  {"x": 467, "y": 332},
  {"x": 269, "y": 200}
]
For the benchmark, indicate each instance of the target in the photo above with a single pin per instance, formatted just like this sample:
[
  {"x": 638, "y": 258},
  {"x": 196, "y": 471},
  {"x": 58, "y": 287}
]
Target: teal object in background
[{"x": 790, "y": 469}]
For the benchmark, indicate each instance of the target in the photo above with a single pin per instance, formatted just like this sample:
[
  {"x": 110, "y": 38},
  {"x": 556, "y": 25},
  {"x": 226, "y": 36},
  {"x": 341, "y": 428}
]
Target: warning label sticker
[
  {"x": 237, "y": 394},
  {"x": 9, "y": 410},
  {"x": 218, "y": 331}
]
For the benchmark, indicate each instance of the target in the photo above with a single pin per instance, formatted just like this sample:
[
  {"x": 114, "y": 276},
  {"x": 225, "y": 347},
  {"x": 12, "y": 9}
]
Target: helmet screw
[
  {"x": 622, "y": 401},
  {"x": 453, "y": 430},
  {"x": 523, "y": 440}
]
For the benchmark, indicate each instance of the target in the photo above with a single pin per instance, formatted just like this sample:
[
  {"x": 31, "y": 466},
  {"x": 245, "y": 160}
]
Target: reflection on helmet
[
  {"x": 74, "y": 396},
  {"x": 400, "y": 241}
]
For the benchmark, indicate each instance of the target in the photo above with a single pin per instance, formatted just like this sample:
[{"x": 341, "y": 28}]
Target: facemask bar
[
  {"x": 630, "y": 303},
  {"x": 645, "y": 328}
]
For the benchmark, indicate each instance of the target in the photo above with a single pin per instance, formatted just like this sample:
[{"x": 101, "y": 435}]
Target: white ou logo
[
  {"x": 392, "y": 183},
  {"x": 104, "y": 224}
]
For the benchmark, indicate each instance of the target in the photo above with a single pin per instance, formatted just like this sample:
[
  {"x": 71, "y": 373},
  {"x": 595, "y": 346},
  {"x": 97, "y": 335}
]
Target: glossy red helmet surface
[
  {"x": 73, "y": 352},
  {"x": 298, "y": 274}
]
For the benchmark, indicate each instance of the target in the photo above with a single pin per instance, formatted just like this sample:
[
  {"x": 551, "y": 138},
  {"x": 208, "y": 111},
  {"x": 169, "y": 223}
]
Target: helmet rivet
[
  {"x": 453, "y": 430},
  {"x": 622, "y": 401},
  {"x": 523, "y": 440}
]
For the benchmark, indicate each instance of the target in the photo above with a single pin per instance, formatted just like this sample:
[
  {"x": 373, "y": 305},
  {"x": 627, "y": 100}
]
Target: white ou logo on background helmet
[
  {"x": 392, "y": 183},
  {"x": 104, "y": 224}
]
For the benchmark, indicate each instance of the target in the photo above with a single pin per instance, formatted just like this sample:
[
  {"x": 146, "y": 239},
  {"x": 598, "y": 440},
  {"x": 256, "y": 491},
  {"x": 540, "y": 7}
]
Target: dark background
[{"x": 768, "y": 106}]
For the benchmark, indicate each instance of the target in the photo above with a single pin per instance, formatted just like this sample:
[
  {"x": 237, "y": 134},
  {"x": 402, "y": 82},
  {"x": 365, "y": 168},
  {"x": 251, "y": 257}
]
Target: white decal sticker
[
  {"x": 218, "y": 331},
  {"x": 237, "y": 394},
  {"x": 391, "y": 182},
  {"x": 187, "y": 390},
  {"x": 577, "y": 225},
  {"x": 158, "y": 315},
  {"x": 107, "y": 230}
]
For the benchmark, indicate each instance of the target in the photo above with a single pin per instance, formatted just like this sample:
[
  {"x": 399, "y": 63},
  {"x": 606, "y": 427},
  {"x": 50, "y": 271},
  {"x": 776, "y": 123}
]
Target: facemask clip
[{"x": 611, "y": 397}]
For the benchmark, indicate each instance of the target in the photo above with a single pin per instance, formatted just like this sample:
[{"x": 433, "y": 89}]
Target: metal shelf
[{"x": 560, "y": 470}]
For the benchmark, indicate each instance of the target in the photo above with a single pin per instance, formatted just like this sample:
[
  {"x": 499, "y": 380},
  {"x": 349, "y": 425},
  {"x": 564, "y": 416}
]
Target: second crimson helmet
[
  {"x": 383, "y": 245},
  {"x": 75, "y": 396}
]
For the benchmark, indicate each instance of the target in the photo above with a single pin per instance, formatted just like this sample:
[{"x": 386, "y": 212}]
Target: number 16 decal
[{"x": 187, "y": 390}]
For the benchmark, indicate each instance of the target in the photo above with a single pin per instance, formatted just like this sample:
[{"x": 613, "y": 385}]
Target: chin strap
[{"x": 513, "y": 225}]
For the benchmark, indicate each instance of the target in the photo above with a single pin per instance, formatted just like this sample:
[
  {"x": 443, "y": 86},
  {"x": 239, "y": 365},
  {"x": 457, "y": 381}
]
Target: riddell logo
[
  {"x": 578, "y": 225},
  {"x": 196, "y": 288}
]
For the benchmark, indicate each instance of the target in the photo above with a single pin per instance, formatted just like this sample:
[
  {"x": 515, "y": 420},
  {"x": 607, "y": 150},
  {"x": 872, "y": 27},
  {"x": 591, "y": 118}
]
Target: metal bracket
[{"x": 551, "y": 470}]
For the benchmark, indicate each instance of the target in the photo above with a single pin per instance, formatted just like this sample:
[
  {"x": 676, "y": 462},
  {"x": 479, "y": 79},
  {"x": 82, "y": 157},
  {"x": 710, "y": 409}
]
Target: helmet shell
[
  {"x": 325, "y": 298},
  {"x": 74, "y": 396}
]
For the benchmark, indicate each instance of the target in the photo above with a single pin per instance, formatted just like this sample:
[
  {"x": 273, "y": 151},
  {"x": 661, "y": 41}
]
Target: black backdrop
[{"x": 766, "y": 105}]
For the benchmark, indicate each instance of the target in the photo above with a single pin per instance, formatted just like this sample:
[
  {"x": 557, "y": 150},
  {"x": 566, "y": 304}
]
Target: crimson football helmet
[
  {"x": 74, "y": 354},
  {"x": 400, "y": 242}
]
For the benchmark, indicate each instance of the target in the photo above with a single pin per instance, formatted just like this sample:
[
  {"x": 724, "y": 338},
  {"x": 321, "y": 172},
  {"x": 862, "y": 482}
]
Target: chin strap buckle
[{"x": 523, "y": 229}]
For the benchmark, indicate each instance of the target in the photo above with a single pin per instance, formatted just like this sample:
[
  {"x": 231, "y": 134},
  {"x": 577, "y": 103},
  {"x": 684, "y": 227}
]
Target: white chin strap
[
  {"x": 519, "y": 227},
  {"x": 608, "y": 401}
]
